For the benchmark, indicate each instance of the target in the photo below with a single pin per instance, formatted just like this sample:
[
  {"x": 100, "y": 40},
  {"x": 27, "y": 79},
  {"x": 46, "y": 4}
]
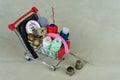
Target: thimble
[
  {"x": 30, "y": 37},
  {"x": 36, "y": 42},
  {"x": 70, "y": 71},
  {"x": 78, "y": 65}
]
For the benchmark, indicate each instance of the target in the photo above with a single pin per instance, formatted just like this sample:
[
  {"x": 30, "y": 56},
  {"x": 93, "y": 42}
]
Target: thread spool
[
  {"x": 52, "y": 28},
  {"x": 53, "y": 35},
  {"x": 43, "y": 21},
  {"x": 46, "y": 42},
  {"x": 55, "y": 46},
  {"x": 65, "y": 33}
]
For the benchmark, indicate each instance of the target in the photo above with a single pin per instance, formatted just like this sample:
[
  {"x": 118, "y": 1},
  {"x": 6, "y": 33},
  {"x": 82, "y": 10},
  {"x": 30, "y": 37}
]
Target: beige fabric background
[{"x": 94, "y": 34}]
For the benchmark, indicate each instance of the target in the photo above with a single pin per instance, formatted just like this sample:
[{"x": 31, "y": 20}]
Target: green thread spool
[{"x": 55, "y": 47}]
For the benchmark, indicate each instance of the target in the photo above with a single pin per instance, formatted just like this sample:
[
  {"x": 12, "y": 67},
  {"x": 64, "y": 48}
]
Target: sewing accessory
[
  {"x": 36, "y": 42},
  {"x": 46, "y": 42},
  {"x": 46, "y": 45},
  {"x": 52, "y": 28},
  {"x": 30, "y": 37},
  {"x": 53, "y": 35},
  {"x": 70, "y": 71},
  {"x": 53, "y": 15},
  {"x": 43, "y": 21},
  {"x": 41, "y": 32},
  {"x": 32, "y": 26},
  {"x": 55, "y": 46},
  {"x": 78, "y": 65},
  {"x": 65, "y": 33}
]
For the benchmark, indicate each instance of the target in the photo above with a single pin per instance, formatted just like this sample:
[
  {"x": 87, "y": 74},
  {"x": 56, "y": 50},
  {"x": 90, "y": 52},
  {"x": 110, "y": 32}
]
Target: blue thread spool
[{"x": 65, "y": 33}]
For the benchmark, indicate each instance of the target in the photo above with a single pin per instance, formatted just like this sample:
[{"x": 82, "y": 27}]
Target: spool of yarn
[
  {"x": 52, "y": 28},
  {"x": 43, "y": 21},
  {"x": 65, "y": 33},
  {"x": 55, "y": 46},
  {"x": 41, "y": 32},
  {"x": 46, "y": 42}
]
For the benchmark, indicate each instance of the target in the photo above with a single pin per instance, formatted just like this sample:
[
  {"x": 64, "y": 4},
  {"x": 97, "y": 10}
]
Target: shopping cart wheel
[
  {"x": 52, "y": 68},
  {"x": 27, "y": 57},
  {"x": 63, "y": 58}
]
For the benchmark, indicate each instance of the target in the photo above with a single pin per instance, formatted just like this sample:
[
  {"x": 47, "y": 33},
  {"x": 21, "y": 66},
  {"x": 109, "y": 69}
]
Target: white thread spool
[{"x": 46, "y": 42}]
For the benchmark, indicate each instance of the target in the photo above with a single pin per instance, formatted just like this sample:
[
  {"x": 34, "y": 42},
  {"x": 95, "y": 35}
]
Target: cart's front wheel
[{"x": 53, "y": 68}]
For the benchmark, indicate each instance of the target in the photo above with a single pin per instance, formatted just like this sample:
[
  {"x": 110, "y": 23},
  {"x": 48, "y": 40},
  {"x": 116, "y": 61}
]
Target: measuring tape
[{"x": 32, "y": 26}]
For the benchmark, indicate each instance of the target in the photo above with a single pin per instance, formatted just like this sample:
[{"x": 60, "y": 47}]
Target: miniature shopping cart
[{"x": 19, "y": 28}]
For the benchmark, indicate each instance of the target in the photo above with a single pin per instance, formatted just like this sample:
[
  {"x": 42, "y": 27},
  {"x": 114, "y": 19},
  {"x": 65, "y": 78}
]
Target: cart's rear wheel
[{"x": 27, "y": 57}]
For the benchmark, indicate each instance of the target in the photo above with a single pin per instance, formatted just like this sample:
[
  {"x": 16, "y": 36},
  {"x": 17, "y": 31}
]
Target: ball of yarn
[{"x": 43, "y": 21}]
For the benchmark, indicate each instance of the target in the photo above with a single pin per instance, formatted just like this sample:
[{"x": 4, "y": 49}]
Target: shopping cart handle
[
  {"x": 12, "y": 25},
  {"x": 34, "y": 9}
]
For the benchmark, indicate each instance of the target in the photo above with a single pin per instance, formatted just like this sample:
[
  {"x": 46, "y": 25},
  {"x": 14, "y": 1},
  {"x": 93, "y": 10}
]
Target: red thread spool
[{"x": 52, "y": 28}]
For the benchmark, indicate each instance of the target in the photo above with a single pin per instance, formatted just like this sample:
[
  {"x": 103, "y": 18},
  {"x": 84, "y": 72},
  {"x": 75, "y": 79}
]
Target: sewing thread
[
  {"x": 55, "y": 46},
  {"x": 52, "y": 28}
]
